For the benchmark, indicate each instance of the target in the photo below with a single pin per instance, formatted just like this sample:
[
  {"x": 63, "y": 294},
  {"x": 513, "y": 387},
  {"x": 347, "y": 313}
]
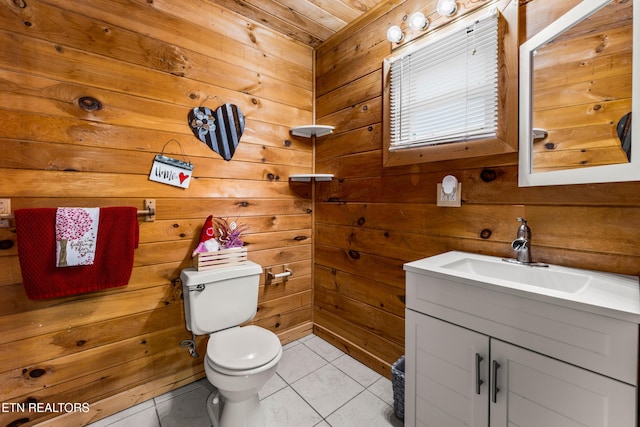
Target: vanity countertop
[{"x": 608, "y": 294}]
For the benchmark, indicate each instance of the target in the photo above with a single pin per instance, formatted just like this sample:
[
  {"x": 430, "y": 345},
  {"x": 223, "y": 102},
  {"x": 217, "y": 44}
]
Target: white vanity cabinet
[
  {"x": 446, "y": 374},
  {"x": 479, "y": 356},
  {"x": 456, "y": 377}
]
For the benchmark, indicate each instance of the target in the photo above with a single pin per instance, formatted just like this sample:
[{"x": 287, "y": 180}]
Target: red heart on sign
[{"x": 183, "y": 177}]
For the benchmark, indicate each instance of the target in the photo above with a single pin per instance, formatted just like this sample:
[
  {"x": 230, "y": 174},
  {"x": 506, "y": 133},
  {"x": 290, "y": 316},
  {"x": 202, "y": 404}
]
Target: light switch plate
[
  {"x": 449, "y": 200},
  {"x": 5, "y": 206}
]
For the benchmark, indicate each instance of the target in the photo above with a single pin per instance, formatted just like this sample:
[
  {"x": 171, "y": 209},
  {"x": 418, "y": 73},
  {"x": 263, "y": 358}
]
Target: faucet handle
[
  {"x": 520, "y": 244},
  {"x": 522, "y": 220}
]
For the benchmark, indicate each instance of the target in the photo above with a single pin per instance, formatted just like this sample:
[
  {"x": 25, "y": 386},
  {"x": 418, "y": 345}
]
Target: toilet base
[
  {"x": 247, "y": 413},
  {"x": 214, "y": 407}
]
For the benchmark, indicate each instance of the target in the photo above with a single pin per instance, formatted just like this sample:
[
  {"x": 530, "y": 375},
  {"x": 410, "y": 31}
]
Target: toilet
[{"x": 239, "y": 359}]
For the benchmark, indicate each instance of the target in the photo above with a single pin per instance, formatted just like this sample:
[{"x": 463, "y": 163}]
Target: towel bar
[{"x": 151, "y": 212}]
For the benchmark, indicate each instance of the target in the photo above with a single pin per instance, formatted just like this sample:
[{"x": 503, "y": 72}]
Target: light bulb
[
  {"x": 395, "y": 34},
  {"x": 417, "y": 21},
  {"x": 446, "y": 7}
]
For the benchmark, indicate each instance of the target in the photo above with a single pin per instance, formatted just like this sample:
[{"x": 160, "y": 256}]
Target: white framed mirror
[{"x": 579, "y": 82}]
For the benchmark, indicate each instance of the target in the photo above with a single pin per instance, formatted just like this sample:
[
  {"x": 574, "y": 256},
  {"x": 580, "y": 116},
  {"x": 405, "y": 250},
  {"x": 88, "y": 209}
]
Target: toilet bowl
[
  {"x": 239, "y": 359},
  {"x": 239, "y": 362}
]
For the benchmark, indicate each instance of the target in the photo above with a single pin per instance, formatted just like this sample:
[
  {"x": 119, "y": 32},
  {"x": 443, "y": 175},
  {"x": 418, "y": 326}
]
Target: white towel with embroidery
[{"x": 76, "y": 236}]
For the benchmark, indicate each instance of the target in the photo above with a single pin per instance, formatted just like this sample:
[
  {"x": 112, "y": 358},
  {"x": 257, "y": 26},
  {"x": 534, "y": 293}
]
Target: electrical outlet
[
  {"x": 449, "y": 200},
  {"x": 5, "y": 206}
]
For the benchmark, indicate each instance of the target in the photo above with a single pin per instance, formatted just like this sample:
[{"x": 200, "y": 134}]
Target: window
[{"x": 445, "y": 94}]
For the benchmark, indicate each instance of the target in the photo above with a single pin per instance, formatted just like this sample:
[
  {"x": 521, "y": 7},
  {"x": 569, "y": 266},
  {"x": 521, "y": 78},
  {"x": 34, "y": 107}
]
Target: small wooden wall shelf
[
  {"x": 310, "y": 130},
  {"x": 307, "y": 177}
]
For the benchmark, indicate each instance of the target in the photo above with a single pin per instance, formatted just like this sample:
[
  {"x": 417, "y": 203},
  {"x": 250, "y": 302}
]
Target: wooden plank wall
[
  {"x": 147, "y": 63},
  {"x": 371, "y": 220}
]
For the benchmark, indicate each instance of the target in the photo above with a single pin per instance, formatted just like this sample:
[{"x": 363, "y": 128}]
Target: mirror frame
[{"x": 592, "y": 174}]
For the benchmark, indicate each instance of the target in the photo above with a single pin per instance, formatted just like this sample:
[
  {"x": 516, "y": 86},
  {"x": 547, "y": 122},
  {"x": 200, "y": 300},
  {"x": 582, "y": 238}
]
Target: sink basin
[
  {"x": 609, "y": 294},
  {"x": 550, "y": 278}
]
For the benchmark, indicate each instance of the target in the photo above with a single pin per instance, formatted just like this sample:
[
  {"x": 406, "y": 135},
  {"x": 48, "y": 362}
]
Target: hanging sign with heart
[
  {"x": 220, "y": 129},
  {"x": 171, "y": 171}
]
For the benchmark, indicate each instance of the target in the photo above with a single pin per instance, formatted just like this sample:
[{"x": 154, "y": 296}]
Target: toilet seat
[{"x": 237, "y": 350}]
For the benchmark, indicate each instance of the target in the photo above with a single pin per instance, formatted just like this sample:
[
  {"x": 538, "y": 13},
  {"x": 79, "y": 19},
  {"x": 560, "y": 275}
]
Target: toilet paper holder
[{"x": 270, "y": 276}]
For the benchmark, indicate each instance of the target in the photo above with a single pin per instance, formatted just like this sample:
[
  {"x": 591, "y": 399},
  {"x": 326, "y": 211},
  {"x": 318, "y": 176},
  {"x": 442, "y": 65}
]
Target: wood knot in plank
[
  {"x": 37, "y": 373},
  {"x": 6, "y": 244},
  {"x": 485, "y": 233},
  {"x": 488, "y": 175},
  {"x": 89, "y": 103}
]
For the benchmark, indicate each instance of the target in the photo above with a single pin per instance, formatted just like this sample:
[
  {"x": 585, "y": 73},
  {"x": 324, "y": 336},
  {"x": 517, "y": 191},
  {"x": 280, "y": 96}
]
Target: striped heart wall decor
[{"x": 220, "y": 129}]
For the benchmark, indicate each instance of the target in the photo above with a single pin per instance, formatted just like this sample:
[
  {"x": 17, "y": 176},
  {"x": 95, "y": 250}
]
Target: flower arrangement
[
  {"x": 220, "y": 233},
  {"x": 229, "y": 233}
]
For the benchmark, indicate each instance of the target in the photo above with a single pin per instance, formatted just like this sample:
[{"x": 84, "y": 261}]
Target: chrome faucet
[{"x": 522, "y": 246}]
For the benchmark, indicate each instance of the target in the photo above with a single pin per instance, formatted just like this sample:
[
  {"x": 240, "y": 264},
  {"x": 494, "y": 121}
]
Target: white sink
[
  {"x": 612, "y": 294},
  {"x": 546, "y": 277}
]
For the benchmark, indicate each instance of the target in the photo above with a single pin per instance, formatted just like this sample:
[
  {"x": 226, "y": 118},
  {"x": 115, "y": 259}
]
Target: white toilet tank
[{"x": 220, "y": 298}]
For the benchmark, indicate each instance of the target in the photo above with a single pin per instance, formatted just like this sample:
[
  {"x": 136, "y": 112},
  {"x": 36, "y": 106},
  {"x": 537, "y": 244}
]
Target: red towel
[{"x": 117, "y": 239}]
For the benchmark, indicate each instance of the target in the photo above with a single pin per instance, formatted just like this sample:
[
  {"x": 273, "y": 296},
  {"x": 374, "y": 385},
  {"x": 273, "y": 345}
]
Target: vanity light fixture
[
  {"x": 395, "y": 34},
  {"x": 417, "y": 21},
  {"x": 446, "y": 7}
]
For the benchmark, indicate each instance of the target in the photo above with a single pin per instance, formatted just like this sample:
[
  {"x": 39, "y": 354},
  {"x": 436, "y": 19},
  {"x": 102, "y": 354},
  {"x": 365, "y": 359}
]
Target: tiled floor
[{"x": 316, "y": 384}]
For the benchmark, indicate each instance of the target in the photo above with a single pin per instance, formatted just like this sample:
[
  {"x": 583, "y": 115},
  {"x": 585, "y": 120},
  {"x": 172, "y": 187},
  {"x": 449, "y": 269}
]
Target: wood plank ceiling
[{"x": 308, "y": 21}]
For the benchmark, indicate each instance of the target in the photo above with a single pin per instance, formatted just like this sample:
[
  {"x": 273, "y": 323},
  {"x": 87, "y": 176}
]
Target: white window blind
[{"x": 447, "y": 90}]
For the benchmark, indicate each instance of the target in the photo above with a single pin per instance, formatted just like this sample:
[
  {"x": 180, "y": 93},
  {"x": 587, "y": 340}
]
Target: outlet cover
[{"x": 449, "y": 200}]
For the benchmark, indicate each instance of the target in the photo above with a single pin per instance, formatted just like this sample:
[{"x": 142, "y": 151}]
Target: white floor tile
[
  {"x": 327, "y": 389},
  {"x": 356, "y": 370},
  {"x": 185, "y": 410},
  {"x": 297, "y": 362},
  {"x": 175, "y": 393},
  {"x": 145, "y": 418},
  {"x": 291, "y": 344},
  {"x": 113, "y": 419},
  {"x": 364, "y": 410},
  {"x": 324, "y": 349},
  {"x": 383, "y": 388},
  {"x": 274, "y": 384},
  {"x": 286, "y": 408},
  {"x": 307, "y": 338}
]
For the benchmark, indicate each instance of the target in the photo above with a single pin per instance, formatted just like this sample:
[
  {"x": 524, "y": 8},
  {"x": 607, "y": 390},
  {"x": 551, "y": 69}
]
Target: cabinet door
[
  {"x": 446, "y": 384},
  {"x": 537, "y": 391}
]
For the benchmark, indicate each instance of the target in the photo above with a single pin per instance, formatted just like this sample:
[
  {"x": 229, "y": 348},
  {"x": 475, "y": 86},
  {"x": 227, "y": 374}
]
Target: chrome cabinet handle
[
  {"x": 494, "y": 374},
  {"x": 479, "y": 381}
]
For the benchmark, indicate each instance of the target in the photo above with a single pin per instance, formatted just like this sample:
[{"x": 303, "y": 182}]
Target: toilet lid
[{"x": 243, "y": 348}]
